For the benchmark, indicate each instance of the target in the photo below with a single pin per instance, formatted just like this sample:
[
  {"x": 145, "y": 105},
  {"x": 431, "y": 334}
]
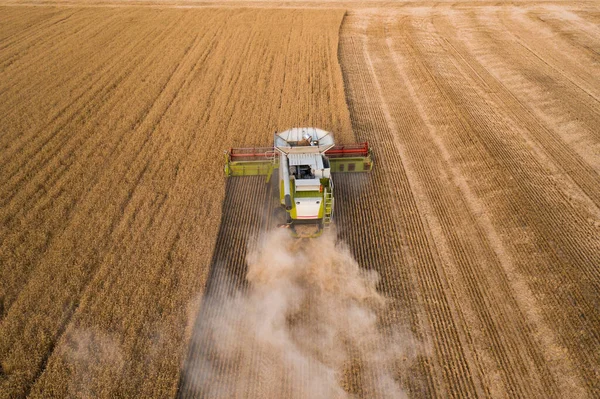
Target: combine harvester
[{"x": 304, "y": 159}]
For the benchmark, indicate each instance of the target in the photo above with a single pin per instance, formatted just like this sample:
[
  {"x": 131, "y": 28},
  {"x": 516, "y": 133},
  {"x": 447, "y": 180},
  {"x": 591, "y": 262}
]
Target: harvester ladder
[
  {"x": 271, "y": 156},
  {"x": 328, "y": 216}
]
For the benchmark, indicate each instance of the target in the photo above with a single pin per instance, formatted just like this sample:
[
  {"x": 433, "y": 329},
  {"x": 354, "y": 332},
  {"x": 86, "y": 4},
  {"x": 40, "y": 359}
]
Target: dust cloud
[
  {"x": 87, "y": 355},
  {"x": 306, "y": 326}
]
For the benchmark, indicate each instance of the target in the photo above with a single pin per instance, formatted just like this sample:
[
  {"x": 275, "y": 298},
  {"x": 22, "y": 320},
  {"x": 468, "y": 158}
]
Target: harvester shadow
[{"x": 250, "y": 208}]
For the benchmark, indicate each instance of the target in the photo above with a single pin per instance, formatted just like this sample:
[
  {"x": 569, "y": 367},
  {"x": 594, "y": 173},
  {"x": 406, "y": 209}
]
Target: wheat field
[
  {"x": 114, "y": 123},
  {"x": 467, "y": 264}
]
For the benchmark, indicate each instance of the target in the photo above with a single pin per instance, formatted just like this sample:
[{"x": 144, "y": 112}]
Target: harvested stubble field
[{"x": 129, "y": 267}]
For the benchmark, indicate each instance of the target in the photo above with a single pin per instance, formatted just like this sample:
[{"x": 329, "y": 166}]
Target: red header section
[
  {"x": 252, "y": 153},
  {"x": 348, "y": 150}
]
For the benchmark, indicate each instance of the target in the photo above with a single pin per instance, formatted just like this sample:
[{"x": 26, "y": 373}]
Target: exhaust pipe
[{"x": 285, "y": 175}]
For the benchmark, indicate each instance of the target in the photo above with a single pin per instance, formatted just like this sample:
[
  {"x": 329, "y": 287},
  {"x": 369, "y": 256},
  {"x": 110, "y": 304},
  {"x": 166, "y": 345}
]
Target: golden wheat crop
[{"x": 114, "y": 124}]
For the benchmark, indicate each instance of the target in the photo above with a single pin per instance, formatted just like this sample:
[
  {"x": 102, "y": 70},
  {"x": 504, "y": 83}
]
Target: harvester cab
[{"x": 304, "y": 160}]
